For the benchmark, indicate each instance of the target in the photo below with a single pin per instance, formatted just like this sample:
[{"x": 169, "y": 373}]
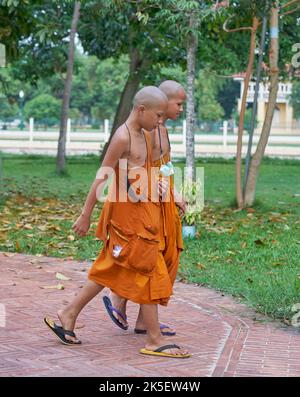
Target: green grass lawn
[{"x": 253, "y": 255}]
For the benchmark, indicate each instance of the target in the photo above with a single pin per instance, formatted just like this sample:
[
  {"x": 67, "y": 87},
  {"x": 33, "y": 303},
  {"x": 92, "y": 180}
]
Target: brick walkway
[{"x": 226, "y": 338}]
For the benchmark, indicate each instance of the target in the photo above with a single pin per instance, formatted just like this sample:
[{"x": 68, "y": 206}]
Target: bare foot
[
  {"x": 175, "y": 351},
  {"x": 119, "y": 303},
  {"x": 68, "y": 323}
]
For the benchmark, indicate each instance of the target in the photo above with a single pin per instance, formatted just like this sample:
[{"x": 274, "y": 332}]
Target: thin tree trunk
[
  {"x": 263, "y": 140},
  {"x": 190, "y": 107},
  {"x": 255, "y": 99},
  {"x": 239, "y": 190},
  {"x": 61, "y": 150},
  {"x": 137, "y": 65}
]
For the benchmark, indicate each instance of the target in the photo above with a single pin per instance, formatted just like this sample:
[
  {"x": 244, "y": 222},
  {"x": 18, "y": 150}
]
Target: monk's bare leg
[
  {"x": 154, "y": 336},
  {"x": 119, "y": 303},
  {"x": 140, "y": 323},
  {"x": 69, "y": 314}
]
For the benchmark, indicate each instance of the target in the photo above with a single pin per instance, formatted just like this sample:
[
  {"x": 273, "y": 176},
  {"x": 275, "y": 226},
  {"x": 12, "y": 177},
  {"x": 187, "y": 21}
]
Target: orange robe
[
  {"x": 172, "y": 231},
  {"x": 139, "y": 272}
]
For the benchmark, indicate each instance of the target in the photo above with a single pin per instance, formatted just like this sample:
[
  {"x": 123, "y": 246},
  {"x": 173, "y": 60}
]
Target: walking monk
[
  {"x": 131, "y": 262},
  {"x": 171, "y": 241}
]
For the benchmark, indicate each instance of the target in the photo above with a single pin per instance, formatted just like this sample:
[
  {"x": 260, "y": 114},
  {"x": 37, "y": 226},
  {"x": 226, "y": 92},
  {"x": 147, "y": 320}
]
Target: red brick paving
[{"x": 225, "y": 339}]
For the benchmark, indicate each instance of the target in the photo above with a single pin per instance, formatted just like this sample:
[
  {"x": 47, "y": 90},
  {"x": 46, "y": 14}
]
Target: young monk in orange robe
[
  {"x": 131, "y": 263},
  {"x": 171, "y": 241}
]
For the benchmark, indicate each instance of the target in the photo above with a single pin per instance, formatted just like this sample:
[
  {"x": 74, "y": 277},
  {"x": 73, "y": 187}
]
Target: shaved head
[
  {"x": 171, "y": 88},
  {"x": 149, "y": 96}
]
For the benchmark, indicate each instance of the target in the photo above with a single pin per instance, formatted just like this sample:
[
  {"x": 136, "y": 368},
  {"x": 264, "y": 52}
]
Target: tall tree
[
  {"x": 61, "y": 149},
  {"x": 17, "y": 22},
  {"x": 253, "y": 29},
  {"x": 192, "y": 43},
  {"x": 188, "y": 17},
  {"x": 274, "y": 72},
  {"x": 111, "y": 28},
  {"x": 243, "y": 11}
]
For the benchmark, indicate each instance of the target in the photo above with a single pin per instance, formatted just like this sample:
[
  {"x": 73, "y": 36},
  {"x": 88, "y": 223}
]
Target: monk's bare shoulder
[
  {"x": 163, "y": 129},
  {"x": 121, "y": 139}
]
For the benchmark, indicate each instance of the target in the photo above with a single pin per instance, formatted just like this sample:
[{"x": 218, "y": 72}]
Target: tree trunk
[
  {"x": 190, "y": 105},
  {"x": 255, "y": 99},
  {"x": 137, "y": 64},
  {"x": 263, "y": 140},
  {"x": 61, "y": 150},
  {"x": 239, "y": 190}
]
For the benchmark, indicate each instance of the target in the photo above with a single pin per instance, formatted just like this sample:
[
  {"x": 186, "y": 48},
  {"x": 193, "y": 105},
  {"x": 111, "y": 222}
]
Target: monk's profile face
[
  {"x": 175, "y": 105},
  {"x": 151, "y": 116}
]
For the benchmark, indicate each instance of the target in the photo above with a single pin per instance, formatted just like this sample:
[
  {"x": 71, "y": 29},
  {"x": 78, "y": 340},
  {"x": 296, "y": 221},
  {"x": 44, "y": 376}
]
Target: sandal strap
[
  {"x": 162, "y": 326},
  {"x": 70, "y": 333},
  {"x": 64, "y": 331},
  {"x": 166, "y": 347},
  {"x": 124, "y": 317}
]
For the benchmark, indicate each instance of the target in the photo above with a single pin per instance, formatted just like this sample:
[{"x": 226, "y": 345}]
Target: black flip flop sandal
[{"x": 60, "y": 332}]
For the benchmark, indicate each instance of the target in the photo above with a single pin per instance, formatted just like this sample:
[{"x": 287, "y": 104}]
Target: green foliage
[
  {"x": 206, "y": 89},
  {"x": 7, "y": 112},
  {"x": 191, "y": 193},
  {"x": 247, "y": 119},
  {"x": 156, "y": 29},
  {"x": 227, "y": 96},
  {"x": 112, "y": 28},
  {"x": 45, "y": 109},
  {"x": 35, "y": 34},
  {"x": 98, "y": 85}
]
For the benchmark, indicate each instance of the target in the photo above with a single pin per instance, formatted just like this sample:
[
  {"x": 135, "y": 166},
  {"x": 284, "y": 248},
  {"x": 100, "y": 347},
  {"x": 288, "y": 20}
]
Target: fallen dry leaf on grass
[
  {"x": 201, "y": 266},
  {"x": 277, "y": 264},
  {"x": 259, "y": 242},
  {"x": 17, "y": 245}
]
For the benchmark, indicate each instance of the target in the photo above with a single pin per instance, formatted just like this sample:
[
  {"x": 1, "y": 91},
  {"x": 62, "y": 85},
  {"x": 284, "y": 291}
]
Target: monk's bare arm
[
  {"x": 115, "y": 151},
  {"x": 179, "y": 200}
]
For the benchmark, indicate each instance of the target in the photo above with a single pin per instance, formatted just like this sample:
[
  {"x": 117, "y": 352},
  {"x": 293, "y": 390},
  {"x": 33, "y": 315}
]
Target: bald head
[
  {"x": 149, "y": 96},
  {"x": 171, "y": 88}
]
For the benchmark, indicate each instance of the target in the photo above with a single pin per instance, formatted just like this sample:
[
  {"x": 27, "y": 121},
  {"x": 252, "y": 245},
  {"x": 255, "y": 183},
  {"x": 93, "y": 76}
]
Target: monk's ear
[{"x": 141, "y": 108}]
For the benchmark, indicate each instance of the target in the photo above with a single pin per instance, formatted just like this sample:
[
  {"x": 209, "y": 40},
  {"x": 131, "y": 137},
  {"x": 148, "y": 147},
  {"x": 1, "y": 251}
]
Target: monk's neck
[{"x": 133, "y": 124}]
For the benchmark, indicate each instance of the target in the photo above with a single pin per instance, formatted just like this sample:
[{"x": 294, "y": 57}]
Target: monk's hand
[
  {"x": 82, "y": 225},
  {"x": 182, "y": 206},
  {"x": 180, "y": 202}
]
